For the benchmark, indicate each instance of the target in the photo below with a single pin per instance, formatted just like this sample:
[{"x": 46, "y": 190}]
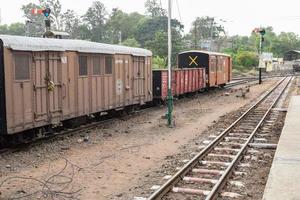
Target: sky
[{"x": 240, "y": 16}]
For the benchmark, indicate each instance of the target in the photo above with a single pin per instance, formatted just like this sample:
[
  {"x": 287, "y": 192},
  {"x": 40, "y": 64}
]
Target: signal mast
[
  {"x": 46, "y": 12},
  {"x": 261, "y": 32}
]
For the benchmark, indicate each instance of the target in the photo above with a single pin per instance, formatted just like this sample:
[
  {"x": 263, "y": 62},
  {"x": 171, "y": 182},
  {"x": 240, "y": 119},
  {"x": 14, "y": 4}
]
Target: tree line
[{"x": 149, "y": 31}]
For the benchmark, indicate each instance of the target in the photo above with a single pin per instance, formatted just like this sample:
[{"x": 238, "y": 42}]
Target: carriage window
[
  {"x": 96, "y": 65},
  {"x": 108, "y": 64},
  {"x": 83, "y": 65},
  {"x": 22, "y": 67}
]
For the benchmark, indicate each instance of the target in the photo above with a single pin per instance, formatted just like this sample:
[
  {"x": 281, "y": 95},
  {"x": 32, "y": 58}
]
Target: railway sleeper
[{"x": 203, "y": 192}]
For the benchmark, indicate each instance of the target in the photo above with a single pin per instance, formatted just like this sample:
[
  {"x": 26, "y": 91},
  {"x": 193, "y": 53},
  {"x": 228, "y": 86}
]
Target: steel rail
[
  {"x": 222, "y": 180},
  {"x": 165, "y": 188}
]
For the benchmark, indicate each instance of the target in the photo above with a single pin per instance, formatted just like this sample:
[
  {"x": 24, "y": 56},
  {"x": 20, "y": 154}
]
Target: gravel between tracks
[{"x": 131, "y": 151}]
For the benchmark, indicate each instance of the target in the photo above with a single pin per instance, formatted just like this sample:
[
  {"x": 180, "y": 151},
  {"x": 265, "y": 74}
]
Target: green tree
[
  {"x": 159, "y": 63},
  {"x": 122, "y": 24},
  {"x": 247, "y": 59},
  {"x": 131, "y": 42},
  {"x": 285, "y": 42},
  {"x": 151, "y": 33},
  {"x": 154, "y": 9},
  {"x": 95, "y": 18},
  {"x": 13, "y": 29},
  {"x": 4, "y": 29},
  {"x": 84, "y": 33},
  {"x": 147, "y": 28},
  {"x": 16, "y": 29},
  {"x": 204, "y": 28},
  {"x": 159, "y": 45},
  {"x": 71, "y": 24}
]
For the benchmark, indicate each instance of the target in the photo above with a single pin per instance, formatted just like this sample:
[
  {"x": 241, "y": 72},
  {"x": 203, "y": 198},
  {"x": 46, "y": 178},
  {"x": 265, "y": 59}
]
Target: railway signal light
[
  {"x": 262, "y": 31},
  {"x": 36, "y": 11},
  {"x": 47, "y": 12}
]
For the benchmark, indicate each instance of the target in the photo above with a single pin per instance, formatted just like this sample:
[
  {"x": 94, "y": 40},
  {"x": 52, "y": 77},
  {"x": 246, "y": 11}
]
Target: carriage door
[
  {"x": 47, "y": 87},
  {"x": 138, "y": 79}
]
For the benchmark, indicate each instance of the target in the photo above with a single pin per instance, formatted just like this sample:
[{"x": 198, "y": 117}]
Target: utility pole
[{"x": 170, "y": 97}]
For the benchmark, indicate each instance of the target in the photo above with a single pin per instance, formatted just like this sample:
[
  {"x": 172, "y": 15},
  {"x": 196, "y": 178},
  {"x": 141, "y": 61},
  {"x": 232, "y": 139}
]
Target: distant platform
[{"x": 284, "y": 178}]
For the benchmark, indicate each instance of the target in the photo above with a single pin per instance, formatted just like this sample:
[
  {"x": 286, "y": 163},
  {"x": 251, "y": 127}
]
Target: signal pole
[
  {"x": 260, "y": 60},
  {"x": 170, "y": 97},
  {"x": 261, "y": 43}
]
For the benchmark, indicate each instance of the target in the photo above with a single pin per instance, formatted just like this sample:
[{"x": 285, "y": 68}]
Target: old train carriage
[
  {"x": 184, "y": 81},
  {"x": 47, "y": 81},
  {"x": 218, "y": 66}
]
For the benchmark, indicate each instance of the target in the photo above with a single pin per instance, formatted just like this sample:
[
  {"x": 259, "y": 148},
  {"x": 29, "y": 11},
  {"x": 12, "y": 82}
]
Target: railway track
[{"x": 207, "y": 173}]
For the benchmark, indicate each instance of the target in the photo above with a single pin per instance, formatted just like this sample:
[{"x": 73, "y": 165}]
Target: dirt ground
[{"x": 120, "y": 159}]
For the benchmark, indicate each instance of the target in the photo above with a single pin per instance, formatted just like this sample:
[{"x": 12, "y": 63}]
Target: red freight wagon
[
  {"x": 218, "y": 66},
  {"x": 184, "y": 81}
]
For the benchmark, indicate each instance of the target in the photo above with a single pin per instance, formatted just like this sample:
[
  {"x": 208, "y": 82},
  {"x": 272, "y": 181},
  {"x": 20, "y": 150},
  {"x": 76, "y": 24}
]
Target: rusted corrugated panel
[
  {"x": 22, "y": 43},
  {"x": 184, "y": 81}
]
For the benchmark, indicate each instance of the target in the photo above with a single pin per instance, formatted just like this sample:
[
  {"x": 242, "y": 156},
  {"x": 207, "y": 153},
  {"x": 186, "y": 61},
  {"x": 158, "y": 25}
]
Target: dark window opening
[
  {"x": 22, "y": 67},
  {"x": 96, "y": 66},
  {"x": 108, "y": 64},
  {"x": 83, "y": 66}
]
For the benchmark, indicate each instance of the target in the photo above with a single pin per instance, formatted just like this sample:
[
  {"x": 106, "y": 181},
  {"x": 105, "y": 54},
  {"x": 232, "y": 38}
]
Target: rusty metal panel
[
  {"x": 164, "y": 84},
  {"x": 9, "y": 97},
  {"x": 177, "y": 82},
  {"x": 96, "y": 89},
  {"x": 181, "y": 82},
  {"x": 124, "y": 81},
  {"x": 82, "y": 86},
  {"x": 119, "y": 77},
  {"x": 219, "y": 72},
  {"x": 40, "y": 87},
  {"x": 139, "y": 79},
  {"x": 18, "y": 96},
  {"x": 55, "y": 94},
  {"x": 69, "y": 80},
  {"x": 128, "y": 80},
  {"x": 226, "y": 70},
  {"x": 212, "y": 70},
  {"x": 195, "y": 80},
  {"x": 184, "y": 81},
  {"x": 230, "y": 69},
  {"x": 83, "y": 95},
  {"x": 47, "y": 87}
]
